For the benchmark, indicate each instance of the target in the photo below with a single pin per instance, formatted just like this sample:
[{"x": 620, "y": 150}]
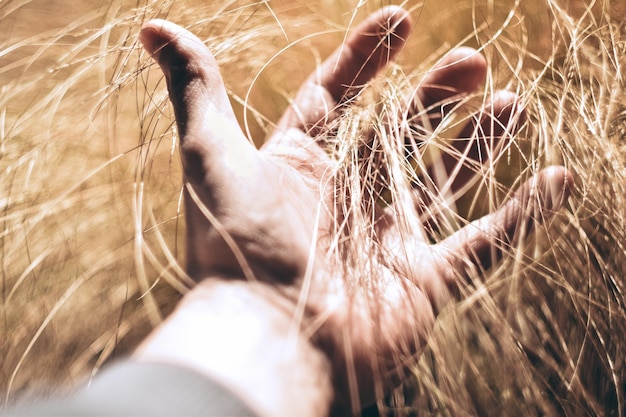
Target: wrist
[{"x": 240, "y": 334}]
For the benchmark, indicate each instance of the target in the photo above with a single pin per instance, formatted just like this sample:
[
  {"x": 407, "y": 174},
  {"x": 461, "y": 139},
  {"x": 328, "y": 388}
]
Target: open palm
[{"x": 273, "y": 215}]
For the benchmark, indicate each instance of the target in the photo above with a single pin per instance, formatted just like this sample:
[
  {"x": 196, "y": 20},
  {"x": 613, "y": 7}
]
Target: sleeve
[{"x": 141, "y": 389}]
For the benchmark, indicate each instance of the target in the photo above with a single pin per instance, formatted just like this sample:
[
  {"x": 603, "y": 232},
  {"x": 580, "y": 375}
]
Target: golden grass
[{"x": 90, "y": 188}]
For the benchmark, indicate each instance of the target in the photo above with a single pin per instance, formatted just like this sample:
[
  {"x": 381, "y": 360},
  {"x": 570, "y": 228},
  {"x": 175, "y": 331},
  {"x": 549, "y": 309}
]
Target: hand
[{"x": 362, "y": 287}]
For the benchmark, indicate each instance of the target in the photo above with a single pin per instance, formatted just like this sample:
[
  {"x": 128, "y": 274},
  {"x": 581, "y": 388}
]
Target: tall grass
[{"x": 90, "y": 187}]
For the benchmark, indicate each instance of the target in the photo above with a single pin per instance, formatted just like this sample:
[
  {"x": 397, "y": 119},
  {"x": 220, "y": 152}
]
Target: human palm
[{"x": 276, "y": 216}]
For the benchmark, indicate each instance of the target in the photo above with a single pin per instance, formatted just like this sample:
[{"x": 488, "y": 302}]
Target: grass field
[{"x": 90, "y": 186}]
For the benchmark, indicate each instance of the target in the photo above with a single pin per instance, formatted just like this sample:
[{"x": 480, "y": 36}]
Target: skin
[{"x": 275, "y": 316}]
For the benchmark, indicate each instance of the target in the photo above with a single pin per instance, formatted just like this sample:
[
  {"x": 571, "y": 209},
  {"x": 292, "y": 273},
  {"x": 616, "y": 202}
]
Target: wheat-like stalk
[{"x": 90, "y": 187}]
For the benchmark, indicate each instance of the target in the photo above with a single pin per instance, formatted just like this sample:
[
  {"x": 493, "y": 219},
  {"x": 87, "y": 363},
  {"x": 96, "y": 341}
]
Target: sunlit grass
[{"x": 90, "y": 187}]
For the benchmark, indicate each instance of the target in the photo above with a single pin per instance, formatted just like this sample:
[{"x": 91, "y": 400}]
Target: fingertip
[
  {"x": 507, "y": 110},
  {"x": 154, "y": 35},
  {"x": 388, "y": 27},
  {"x": 506, "y": 105},
  {"x": 398, "y": 24},
  {"x": 503, "y": 99},
  {"x": 176, "y": 49},
  {"x": 556, "y": 184},
  {"x": 465, "y": 54},
  {"x": 468, "y": 59},
  {"x": 462, "y": 70}
]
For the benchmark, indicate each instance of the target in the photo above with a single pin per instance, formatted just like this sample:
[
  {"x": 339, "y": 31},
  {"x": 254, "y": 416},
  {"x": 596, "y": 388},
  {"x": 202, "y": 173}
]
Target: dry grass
[{"x": 90, "y": 188}]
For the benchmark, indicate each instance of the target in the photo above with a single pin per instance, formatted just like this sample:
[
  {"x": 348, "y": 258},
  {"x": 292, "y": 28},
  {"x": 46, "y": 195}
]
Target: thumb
[{"x": 209, "y": 133}]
